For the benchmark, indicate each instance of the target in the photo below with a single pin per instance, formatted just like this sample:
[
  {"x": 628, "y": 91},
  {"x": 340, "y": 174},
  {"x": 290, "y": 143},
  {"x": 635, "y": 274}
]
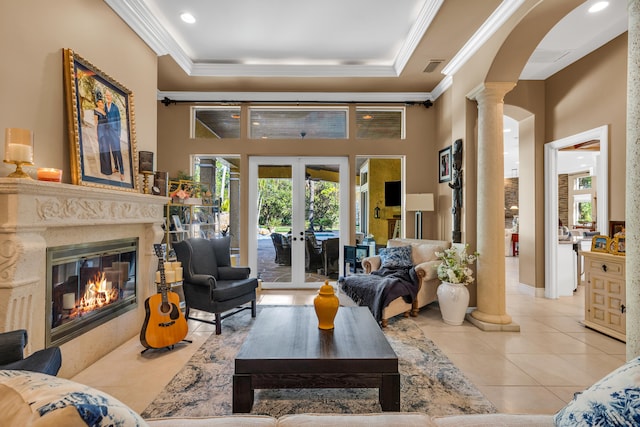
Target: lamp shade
[{"x": 422, "y": 202}]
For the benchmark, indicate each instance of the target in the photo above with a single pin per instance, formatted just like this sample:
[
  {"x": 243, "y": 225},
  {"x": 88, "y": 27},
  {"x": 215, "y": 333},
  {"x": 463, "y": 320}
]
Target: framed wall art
[
  {"x": 444, "y": 165},
  {"x": 100, "y": 118}
]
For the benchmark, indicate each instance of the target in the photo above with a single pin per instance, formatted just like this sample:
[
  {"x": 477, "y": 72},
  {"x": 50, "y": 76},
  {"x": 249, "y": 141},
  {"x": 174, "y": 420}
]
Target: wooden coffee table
[{"x": 285, "y": 349}]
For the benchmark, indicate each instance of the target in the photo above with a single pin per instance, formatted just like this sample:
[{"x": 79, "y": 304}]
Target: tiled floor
[{"x": 534, "y": 371}]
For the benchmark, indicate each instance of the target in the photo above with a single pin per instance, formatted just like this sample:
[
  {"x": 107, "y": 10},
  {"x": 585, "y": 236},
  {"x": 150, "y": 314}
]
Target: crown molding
[
  {"x": 425, "y": 17},
  {"x": 328, "y": 97},
  {"x": 506, "y": 9}
]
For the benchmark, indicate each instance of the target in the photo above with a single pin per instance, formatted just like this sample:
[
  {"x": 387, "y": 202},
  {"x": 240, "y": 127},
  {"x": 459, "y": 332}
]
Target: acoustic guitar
[{"x": 164, "y": 324}]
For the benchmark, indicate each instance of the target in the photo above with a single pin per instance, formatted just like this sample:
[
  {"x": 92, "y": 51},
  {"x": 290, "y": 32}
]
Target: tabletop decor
[
  {"x": 326, "y": 304},
  {"x": 455, "y": 273},
  {"x": 100, "y": 119},
  {"x": 18, "y": 150}
]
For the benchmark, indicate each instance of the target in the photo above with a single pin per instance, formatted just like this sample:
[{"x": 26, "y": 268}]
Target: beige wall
[
  {"x": 31, "y": 80},
  {"x": 592, "y": 93}
]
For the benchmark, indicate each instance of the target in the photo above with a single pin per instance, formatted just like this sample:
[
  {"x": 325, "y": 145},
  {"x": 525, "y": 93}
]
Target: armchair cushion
[
  {"x": 222, "y": 249},
  {"x": 48, "y": 360},
  {"x": 396, "y": 257},
  {"x": 12, "y": 345}
]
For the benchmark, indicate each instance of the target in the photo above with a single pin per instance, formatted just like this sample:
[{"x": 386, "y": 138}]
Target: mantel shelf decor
[
  {"x": 101, "y": 124},
  {"x": 18, "y": 150}
]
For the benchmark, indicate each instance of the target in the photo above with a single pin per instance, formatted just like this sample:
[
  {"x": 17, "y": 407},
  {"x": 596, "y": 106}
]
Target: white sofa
[
  {"x": 39, "y": 400},
  {"x": 425, "y": 262}
]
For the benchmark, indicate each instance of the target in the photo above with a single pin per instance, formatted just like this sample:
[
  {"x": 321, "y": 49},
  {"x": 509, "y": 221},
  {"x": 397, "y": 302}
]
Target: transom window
[
  {"x": 298, "y": 123},
  {"x": 216, "y": 122},
  {"x": 380, "y": 123}
]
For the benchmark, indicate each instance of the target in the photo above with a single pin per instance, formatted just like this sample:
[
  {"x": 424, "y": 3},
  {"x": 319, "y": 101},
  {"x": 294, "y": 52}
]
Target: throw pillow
[
  {"x": 612, "y": 401},
  {"x": 398, "y": 257},
  {"x": 53, "y": 401}
]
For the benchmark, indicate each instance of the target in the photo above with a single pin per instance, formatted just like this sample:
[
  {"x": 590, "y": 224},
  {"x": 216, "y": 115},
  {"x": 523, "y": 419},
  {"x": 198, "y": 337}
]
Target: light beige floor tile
[
  {"x": 485, "y": 369},
  {"x": 523, "y": 399},
  {"x": 600, "y": 341},
  {"x": 461, "y": 342},
  {"x": 551, "y": 369}
]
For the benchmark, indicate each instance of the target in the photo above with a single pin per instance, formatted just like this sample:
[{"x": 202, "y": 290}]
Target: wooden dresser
[{"x": 605, "y": 294}]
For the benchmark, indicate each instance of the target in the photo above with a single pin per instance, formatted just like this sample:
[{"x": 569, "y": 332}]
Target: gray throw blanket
[{"x": 378, "y": 289}]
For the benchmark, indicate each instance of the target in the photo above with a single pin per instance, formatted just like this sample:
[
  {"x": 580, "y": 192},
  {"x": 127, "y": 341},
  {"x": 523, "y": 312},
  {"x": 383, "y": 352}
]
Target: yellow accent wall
[{"x": 381, "y": 171}]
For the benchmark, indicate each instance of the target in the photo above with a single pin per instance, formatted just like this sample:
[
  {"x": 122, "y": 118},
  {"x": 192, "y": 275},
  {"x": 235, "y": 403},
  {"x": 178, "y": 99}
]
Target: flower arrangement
[{"x": 454, "y": 267}]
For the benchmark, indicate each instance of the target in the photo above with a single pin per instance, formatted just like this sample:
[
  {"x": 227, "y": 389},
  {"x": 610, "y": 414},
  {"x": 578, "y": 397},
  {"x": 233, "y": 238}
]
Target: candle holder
[
  {"x": 145, "y": 182},
  {"x": 18, "y": 150},
  {"x": 19, "y": 173}
]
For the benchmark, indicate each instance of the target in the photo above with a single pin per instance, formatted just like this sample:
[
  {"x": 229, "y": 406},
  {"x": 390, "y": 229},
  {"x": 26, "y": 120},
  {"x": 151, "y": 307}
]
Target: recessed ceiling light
[
  {"x": 598, "y": 6},
  {"x": 507, "y": 130},
  {"x": 235, "y": 116},
  {"x": 188, "y": 18},
  {"x": 367, "y": 117}
]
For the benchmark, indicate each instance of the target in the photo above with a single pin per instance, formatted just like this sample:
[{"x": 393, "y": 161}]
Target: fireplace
[
  {"x": 89, "y": 284},
  {"x": 39, "y": 217}
]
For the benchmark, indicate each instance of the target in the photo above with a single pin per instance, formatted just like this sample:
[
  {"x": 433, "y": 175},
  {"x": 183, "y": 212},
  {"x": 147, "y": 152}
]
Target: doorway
[
  {"x": 299, "y": 208},
  {"x": 551, "y": 150}
]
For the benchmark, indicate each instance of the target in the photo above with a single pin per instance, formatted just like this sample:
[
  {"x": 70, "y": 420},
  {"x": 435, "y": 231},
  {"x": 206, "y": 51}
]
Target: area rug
[{"x": 430, "y": 383}]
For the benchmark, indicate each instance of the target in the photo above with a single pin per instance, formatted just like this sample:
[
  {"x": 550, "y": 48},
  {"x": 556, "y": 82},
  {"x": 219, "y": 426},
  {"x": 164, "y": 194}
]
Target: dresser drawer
[{"x": 613, "y": 268}]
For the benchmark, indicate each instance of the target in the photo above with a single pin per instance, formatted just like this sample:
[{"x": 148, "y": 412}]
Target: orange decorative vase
[{"x": 326, "y": 305}]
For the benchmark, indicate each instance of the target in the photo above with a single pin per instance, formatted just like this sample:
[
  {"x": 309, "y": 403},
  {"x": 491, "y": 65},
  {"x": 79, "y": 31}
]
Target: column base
[{"x": 492, "y": 323}]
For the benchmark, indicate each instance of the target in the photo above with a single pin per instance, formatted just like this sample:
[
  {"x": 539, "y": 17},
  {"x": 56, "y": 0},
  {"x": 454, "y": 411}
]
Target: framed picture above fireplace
[{"x": 100, "y": 118}]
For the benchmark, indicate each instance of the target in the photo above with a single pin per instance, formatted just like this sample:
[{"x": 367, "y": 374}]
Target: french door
[{"x": 298, "y": 207}]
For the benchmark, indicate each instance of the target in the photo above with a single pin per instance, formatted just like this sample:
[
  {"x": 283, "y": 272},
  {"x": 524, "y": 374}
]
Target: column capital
[{"x": 490, "y": 91}]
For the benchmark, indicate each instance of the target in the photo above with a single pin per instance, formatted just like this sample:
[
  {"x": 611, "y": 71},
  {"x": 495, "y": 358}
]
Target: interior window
[
  {"x": 216, "y": 122},
  {"x": 298, "y": 123},
  {"x": 380, "y": 123}
]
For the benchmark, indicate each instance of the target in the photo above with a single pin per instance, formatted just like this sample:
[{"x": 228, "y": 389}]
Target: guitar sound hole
[{"x": 165, "y": 307}]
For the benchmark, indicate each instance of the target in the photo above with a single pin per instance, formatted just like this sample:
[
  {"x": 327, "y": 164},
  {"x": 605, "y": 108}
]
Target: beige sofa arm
[
  {"x": 428, "y": 270},
  {"x": 371, "y": 263}
]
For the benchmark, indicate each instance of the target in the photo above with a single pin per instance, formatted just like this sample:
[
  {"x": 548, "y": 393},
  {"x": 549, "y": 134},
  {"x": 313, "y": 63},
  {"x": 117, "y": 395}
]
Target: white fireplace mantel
[{"x": 36, "y": 215}]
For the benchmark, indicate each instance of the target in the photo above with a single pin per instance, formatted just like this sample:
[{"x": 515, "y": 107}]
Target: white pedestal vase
[{"x": 454, "y": 300}]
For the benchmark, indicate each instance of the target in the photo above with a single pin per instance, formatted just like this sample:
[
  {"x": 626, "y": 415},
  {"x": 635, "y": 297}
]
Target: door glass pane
[
  {"x": 274, "y": 222},
  {"x": 322, "y": 222}
]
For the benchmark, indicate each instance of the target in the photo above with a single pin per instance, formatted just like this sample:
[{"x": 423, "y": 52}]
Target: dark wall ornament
[{"x": 456, "y": 184}]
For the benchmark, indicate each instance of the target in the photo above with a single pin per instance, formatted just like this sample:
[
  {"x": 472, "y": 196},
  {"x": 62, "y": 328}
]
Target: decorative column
[
  {"x": 632, "y": 193},
  {"x": 490, "y": 207}
]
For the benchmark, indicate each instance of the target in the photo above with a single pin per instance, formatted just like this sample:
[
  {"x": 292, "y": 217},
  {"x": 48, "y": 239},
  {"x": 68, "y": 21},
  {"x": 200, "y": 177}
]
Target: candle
[
  {"x": 49, "y": 174},
  {"x": 168, "y": 265},
  {"x": 18, "y": 145},
  {"x": 146, "y": 161},
  {"x": 68, "y": 301},
  {"x": 178, "y": 271},
  {"x": 170, "y": 276}
]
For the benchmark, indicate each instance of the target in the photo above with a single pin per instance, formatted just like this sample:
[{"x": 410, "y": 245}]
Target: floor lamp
[{"x": 419, "y": 203}]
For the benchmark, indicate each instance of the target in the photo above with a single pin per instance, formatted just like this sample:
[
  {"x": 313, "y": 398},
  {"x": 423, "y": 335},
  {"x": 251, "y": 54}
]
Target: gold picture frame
[
  {"x": 619, "y": 245},
  {"x": 101, "y": 123},
  {"x": 600, "y": 243}
]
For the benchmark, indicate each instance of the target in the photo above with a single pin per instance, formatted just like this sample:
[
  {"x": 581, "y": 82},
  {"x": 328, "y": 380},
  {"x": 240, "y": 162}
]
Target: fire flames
[{"x": 98, "y": 293}]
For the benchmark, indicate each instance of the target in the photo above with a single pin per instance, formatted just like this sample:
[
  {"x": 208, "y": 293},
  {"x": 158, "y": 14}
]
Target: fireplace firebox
[{"x": 88, "y": 285}]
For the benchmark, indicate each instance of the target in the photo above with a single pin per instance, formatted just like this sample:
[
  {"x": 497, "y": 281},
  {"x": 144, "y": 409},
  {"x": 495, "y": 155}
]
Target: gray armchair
[
  {"x": 210, "y": 283},
  {"x": 12, "y": 344}
]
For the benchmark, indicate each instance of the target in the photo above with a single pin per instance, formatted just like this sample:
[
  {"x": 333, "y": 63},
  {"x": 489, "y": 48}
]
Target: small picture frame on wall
[
  {"x": 444, "y": 165},
  {"x": 600, "y": 243}
]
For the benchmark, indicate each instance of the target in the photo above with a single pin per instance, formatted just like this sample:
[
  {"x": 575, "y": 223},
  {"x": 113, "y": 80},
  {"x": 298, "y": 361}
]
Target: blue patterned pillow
[
  {"x": 55, "y": 401},
  {"x": 612, "y": 401},
  {"x": 398, "y": 257}
]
